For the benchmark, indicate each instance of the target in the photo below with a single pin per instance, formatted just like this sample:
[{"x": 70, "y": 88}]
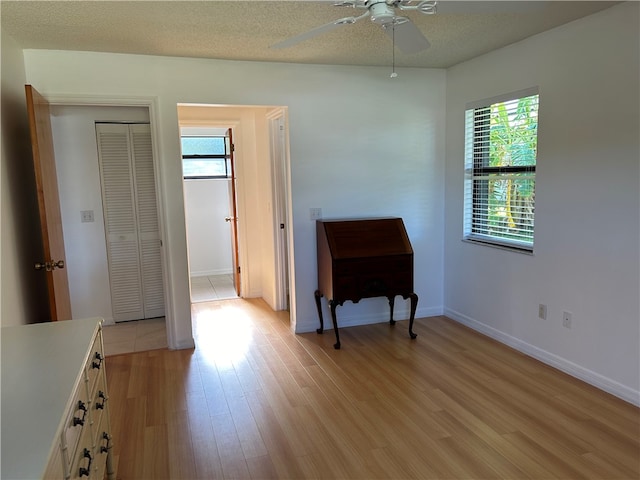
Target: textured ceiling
[{"x": 245, "y": 30}]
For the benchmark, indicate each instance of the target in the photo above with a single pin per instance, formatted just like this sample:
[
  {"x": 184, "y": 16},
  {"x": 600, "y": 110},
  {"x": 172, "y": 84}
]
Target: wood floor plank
[
  {"x": 179, "y": 446},
  {"x": 129, "y": 447},
  {"x": 281, "y": 452},
  {"x": 155, "y": 455},
  {"x": 229, "y": 447},
  {"x": 247, "y": 430},
  {"x": 253, "y": 400},
  {"x": 205, "y": 450},
  {"x": 262, "y": 468}
]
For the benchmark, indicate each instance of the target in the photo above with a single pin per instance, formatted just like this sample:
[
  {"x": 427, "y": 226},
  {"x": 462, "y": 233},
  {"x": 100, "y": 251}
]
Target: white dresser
[{"x": 55, "y": 409}]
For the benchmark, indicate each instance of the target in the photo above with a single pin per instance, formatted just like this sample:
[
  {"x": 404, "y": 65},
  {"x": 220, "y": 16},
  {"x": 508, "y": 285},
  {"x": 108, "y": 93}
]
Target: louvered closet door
[
  {"x": 148, "y": 229},
  {"x": 131, "y": 221},
  {"x": 114, "y": 155}
]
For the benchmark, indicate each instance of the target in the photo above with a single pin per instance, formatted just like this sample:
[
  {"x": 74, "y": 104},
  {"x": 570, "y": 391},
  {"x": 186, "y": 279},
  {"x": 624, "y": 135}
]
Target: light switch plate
[
  {"x": 86, "y": 216},
  {"x": 315, "y": 213}
]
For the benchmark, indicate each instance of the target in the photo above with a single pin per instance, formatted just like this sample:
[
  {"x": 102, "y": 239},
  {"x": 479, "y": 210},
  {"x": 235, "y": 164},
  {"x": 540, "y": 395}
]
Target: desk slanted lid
[{"x": 366, "y": 237}]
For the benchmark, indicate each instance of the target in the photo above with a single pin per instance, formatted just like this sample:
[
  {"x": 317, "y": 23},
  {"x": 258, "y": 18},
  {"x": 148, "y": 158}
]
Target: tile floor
[
  {"x": 134, "y": 336},
  {"x": 151, "y": 334},
  {"x": 212, "y": 287}
]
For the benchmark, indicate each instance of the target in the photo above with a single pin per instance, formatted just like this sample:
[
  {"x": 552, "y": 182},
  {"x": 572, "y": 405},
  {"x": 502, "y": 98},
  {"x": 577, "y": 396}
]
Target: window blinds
[{"x": 500, "y": 164}]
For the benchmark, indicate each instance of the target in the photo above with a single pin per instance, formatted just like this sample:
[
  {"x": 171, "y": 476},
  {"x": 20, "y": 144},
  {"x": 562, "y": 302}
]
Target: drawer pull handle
[
  {"x": 77, "y": 420},
  {"x": 100, "y": 406},
  {"x": 97, "y": 364},
  {"x": 105, "y": 448},
  {"x": 84, "y": 472}
]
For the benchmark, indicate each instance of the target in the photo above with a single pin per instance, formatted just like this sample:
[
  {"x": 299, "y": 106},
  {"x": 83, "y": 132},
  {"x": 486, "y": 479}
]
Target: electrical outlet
[
  {"x": 566, "y": 319},
  {"x": 542, "y": 311},
  {"x": 315, "y": 213}
]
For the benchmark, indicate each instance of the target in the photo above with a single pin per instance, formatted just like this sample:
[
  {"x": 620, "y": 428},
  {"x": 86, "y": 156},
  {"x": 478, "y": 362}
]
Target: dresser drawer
[
  {"x": 95, "y": 364},
  {"x": 83, "y": 459},
  {"x": 55, "y": 468},
  {"x": 102, "y": 444},
  {"x": 98, "y": 404},
  {"x": 77, "y": 422}
]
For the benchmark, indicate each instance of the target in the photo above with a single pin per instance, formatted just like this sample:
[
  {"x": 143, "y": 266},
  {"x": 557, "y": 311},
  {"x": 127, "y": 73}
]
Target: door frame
[
  {"x": 154, "y": 119},
  {"x": 280, "y": 192}
]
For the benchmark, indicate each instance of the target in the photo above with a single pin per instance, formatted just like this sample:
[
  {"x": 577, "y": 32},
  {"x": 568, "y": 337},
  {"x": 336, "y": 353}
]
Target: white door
[
  {"x": 131, "y": 220},
  {"x": 53, "y": 260},
  {"x": 278, "y": 162}
]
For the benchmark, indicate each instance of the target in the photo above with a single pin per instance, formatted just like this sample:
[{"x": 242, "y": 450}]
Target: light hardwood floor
[{"x": 255, "y": 401}]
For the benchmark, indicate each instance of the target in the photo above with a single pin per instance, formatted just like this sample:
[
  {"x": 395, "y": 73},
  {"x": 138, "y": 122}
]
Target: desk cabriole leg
[
  {"x": 333, "y": 304},
  {"x": 392, "y": 301},
  {"x": 318, "y": 295},
  {"x": 414, "y": 305}
]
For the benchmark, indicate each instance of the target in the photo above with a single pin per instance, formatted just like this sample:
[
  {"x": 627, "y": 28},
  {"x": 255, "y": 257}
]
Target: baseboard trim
[
  {"x": 207, "y": 273},
  {"x": 599, "y": 381},
  {"x": 401, "y": 313},
  {"x": 184, "y": 345},
  {"x": 398, "y": 314}
]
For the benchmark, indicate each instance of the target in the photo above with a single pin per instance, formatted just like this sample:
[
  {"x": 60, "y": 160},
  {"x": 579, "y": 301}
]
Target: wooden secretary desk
[{"x": 363, "y": 258}]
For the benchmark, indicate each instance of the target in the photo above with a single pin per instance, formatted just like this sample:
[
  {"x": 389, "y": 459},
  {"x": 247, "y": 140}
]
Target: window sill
[{"x": 501, "y": 246}]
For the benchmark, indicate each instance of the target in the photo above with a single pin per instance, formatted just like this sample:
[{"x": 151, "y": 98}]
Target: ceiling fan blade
[
  {"x": 316, "y": 31},
  {"x": 407, "y": 36}
]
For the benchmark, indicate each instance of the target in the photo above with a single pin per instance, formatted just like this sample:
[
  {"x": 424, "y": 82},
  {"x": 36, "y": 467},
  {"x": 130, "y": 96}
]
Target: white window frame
[
  {"x": 214, "y": 158},
  {"x": 519, "y": 235}
]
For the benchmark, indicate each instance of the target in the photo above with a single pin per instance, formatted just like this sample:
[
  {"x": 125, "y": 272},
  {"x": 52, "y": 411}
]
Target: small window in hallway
[{"x": 205, "y": 157}]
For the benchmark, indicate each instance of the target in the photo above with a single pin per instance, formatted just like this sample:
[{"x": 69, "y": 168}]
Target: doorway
[
  {"x": 260, "y": 225},
  {"x": 210, "y": 212},
  {"x": 81, "y": 204}
]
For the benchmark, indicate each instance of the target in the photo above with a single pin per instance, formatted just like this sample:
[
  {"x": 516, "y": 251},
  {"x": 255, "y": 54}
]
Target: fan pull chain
[{"x": 393, "y": 49}]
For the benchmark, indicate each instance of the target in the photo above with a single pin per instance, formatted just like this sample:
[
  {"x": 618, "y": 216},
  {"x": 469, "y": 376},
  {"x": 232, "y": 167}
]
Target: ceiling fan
[{"x": 406, "y": 36}]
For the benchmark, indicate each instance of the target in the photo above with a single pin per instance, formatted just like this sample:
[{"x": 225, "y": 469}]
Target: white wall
[
  {"x": 23, "y": 290},
  {"x": 208, "y": 235},
  {"x": 361, "y": 144},
  {"x": 586, "y": 257},
  {"x": 76, "y": 152}
]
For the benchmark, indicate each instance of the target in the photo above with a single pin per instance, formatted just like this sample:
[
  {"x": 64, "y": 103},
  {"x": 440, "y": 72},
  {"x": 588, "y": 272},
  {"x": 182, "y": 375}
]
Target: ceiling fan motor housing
[{"x": 381, "y": 13}]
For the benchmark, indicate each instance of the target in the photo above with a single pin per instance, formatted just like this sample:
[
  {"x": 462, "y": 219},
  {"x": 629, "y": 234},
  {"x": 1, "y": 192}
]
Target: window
[
  {"x": 205, "y": 157},
  {"x": 500, "y": 168}
]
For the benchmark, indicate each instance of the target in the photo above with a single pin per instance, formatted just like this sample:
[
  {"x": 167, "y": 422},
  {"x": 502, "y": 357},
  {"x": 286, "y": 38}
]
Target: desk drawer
[
  {"x": 373, "y": 284},
  {"x": 364, "y": 266}
]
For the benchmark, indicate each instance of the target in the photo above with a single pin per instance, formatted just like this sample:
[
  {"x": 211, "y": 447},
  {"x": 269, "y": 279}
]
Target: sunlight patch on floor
[{"x": 224, "y": 334}]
